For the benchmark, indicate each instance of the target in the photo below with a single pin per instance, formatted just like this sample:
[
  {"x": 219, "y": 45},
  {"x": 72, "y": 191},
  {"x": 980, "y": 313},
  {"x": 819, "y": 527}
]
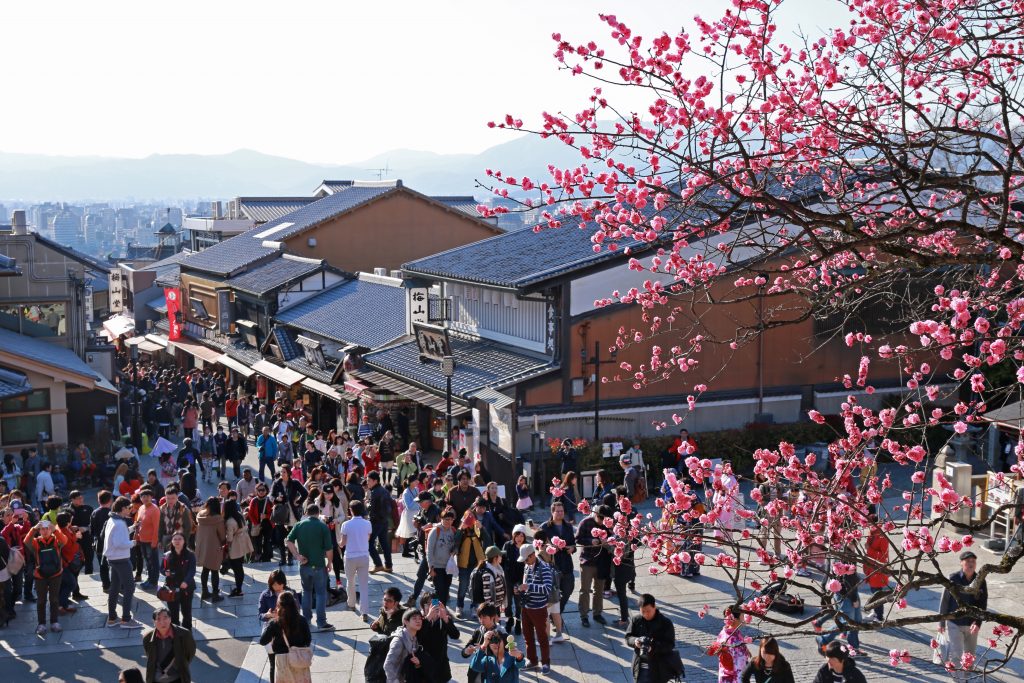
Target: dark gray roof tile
[
  {"x": 361, "y": 312},
  {"x": 275, "y": 273}
]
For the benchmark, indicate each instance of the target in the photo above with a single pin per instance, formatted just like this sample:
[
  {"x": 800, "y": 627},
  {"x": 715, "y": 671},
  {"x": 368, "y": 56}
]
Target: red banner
[{"x": 173, "y": 298}]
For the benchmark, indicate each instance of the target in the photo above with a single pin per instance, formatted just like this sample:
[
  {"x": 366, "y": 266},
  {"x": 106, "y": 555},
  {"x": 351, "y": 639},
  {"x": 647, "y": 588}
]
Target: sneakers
[
  {"x": 79, "y": 597},
  {"x": 325, "y": 627},
  {"x": 585, "y": 621},
  {"x": 599, "y": 618},
  {"x": 236, "y": 593},
  {"x": 559, "y": 638},
  {"x": 130, "y": 624},
  {"x": 216, "y": 597},
  {"x": 377, "y": 569},
  {"x": 56, "y": 627},
  {"x": 458, "y": 613},
  {"x": 411, "y": 602},
  {"x": 113, "y": 622},
  {"x": 545, "y": 669},
  {"x": 41, "y": 630}
]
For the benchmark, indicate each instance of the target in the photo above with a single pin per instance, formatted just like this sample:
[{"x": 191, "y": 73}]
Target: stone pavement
[{"x": 225, "y": 633}]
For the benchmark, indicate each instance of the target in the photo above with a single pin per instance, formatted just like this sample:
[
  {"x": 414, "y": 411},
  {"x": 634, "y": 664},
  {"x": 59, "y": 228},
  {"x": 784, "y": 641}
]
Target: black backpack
[
  {"x": 476, "y": 586},
  {"x": 373, "y": 670},
  {"x": 48, "y": 561}
]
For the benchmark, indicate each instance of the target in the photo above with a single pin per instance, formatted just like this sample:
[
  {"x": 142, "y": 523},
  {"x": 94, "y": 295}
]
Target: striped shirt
[{"x": 538, "y": 579}]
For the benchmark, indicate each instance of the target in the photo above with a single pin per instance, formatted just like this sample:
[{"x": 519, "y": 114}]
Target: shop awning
[
  {"x": 323, "y": 389},
  {"x": 229, "y": 362},
  {"x": 396, "y": 386},
  {"x": 282, "y": 376},
  {"x": 158, "y": 339},
  {"x": 118, "y": 325},
  {"x": 201, "y": 352},
  {"x": 495, "y": 398},
  {"x": 149, "y": 347}
]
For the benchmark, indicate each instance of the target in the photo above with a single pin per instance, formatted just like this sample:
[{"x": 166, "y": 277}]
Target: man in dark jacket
[
  {"x": 592, "y": 552},
  {"x": 97, "y": 521},
  {"x": 961, "y": 639},
  {"x": 652, "y": 636},
  {"x": 839, "y": 667},
  {"x": 462, "y": 496},
  {"x": 378, "y": 502},
  {"x": 169, "y": 649}
]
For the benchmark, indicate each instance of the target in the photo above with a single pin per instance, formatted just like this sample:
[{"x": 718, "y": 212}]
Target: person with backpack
[
  {"x": 45, "y": 547},
  {"x": 636, "y": 484},
  {"x": 487, "y": 584},
  {"x": 406, "y": 662},
  {"x": 470, "y": 541},
  {"x": 538, "y": 581}
]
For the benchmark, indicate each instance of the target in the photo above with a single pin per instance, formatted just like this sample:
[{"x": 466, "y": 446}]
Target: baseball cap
[
  {"x": 967, "y": 555},
  {"x": 492, "y": 552},
  {"x": 525, "y": 551}
]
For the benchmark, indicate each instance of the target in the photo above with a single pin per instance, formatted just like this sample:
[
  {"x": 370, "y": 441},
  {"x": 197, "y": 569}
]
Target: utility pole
[{"x": 597, "y": 363}]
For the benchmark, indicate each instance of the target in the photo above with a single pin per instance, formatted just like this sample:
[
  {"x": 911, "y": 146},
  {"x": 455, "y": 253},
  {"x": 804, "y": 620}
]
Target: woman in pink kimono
[{"x": 731, "y": 648}]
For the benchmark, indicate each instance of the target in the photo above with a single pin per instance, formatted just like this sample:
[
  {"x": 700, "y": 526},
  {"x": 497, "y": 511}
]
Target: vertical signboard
[
  {"x": 116, "y": 290},
  {"x": 224, "y": 311},
  {"x": 89, "y": 317},
  {"x": 419, "y": 313},
  {"x": 173, "y": 299}
]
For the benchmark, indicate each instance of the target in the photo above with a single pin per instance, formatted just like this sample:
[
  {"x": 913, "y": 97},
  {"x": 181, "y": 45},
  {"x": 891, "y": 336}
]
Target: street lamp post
[
  {"x": 448, "y": 370},
  {"x": 597, "y": 363}
]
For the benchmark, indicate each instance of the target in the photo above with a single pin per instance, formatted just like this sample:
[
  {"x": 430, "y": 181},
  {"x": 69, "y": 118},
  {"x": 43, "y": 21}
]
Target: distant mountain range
[{"x": 32, "y": 177}]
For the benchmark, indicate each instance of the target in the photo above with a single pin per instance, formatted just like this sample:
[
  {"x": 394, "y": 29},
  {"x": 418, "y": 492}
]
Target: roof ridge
[{"x": 301, "y": 259}]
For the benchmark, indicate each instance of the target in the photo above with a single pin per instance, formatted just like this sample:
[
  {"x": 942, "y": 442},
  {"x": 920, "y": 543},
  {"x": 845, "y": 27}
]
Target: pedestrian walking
[
  {"x": 355, "y": 541},
  {"x": 169, "y": 650},
  {"x": 210, "y": 537},
  {"x": 179, "y": 569},
  {"x": 962, "y": 631},
  {"x": 288, "y": 633},
  {"x": 117, "y": 548},
  {"x": 537, "y": 583}
]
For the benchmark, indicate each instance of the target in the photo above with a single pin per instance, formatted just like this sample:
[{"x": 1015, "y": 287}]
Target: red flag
[{"x": 173, "y": 298}]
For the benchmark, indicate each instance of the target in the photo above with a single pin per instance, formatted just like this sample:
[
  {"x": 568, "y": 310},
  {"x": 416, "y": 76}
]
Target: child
[{"x": 297, "y": 470}]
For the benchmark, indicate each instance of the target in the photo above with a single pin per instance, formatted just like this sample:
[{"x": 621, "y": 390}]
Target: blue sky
[{"x": 319, "y": 81}]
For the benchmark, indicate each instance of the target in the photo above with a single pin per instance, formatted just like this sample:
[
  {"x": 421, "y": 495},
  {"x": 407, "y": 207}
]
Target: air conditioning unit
[{"x": 380, "y": 271}]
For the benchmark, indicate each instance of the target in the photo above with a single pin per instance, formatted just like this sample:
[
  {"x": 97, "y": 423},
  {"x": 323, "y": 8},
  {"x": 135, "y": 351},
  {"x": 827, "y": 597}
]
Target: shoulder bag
[{"x": 297, "y": 657}]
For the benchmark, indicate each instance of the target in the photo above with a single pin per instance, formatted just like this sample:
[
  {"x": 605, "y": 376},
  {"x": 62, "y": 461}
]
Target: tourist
[
  {"x": 839, "y": 667},
  {"x": 730, "y": 648},
  {"x": 97, "y": 521},
  {"x": 652, "y": 636},
  {"x": 117, "y": 548},
  {"x": 566, "y": 456},
  {"x": 426, "y": 518},
  {"x": 470, "y": 541},
  {"x": 406, "y": 530},
  {"x": 71, "y": 560},
  {"x": 210, "y": 538},
  {"x": 556, "y": 526},
  {"x": 438, "y": 628},
  {"x": 462, "y": 497},
  {"x": 175, "y": 517},
  {"x": 405, "y": 650},
  {"x": 487, "y": 615},
  {"x": 169, "y": 650},
  {"x": 147, "y": 537},
  {"x": 593, "y": 555},
  {"x": 288, "y": 496},
  {"x": 266, "y": 447},
  {"x": 310, "y": 541},
  {"x": 390, "y": 618},
  {"x": 514, "y": 577},
  {"x": 45, "y": 548},
  {"x": 769, "y": 666},
  {"x": 538, "y": 580},
  {"x": 333, "y": 504},
  {"x": 962, "y": 631},
  {"x": 492, "y": 662},
  {"x": 238, "y": 543},
  {"x": 355, "y": 540},
  {"x": 284, "y": 631},
  {"x": 81, "y": 518},
  {"x": 493, "y": 588},
  {"x": 379, "y": 502},
  {"x": 540, "y": 541},
  {"x": 179, "y": 569},
  {"x": 261, "y": 529}
]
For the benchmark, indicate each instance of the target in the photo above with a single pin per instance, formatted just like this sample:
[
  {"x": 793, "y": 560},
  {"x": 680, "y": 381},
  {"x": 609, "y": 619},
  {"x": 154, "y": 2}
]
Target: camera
[{"x": 643, "y": 645}]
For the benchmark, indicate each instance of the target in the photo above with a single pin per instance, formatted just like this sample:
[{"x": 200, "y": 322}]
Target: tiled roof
[
  {"x": 243, "y": 353},
  {"x": 465, "y": 203},
  {"x": 286, "y": 342},
  {"x": 478, "y": 364},
  {"x": 332, "y": 186},
  {"x": 236, "y": 253},
  {"x": 168, "y": 270},
  {"x": 74, "y": 254},
  {"x": 46, "y": 353},
  {"x": 13, "y": 384},
  {"x": 300, "y": 364},
  {"x": 358, "y": 311},
  {"x": 266, "y": 209},
  {"x": 274, "y": 273},
  {"x": 524, "y": 258}
]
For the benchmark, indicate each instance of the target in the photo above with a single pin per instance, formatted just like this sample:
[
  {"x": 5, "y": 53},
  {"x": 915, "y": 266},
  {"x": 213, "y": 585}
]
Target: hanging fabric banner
[{"x": 173, "y": 298}]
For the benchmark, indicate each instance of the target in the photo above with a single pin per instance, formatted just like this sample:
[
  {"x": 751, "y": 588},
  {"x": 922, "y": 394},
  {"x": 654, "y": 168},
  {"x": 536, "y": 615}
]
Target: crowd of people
[{"x": 341, "y": 505}]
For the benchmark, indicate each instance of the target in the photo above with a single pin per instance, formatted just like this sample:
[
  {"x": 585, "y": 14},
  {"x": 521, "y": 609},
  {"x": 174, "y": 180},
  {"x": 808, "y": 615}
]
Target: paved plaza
[{"x": 225, "y": 633}]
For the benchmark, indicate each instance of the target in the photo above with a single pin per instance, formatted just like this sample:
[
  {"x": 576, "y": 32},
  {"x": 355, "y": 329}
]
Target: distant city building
[{"x": 67, "y": 228}]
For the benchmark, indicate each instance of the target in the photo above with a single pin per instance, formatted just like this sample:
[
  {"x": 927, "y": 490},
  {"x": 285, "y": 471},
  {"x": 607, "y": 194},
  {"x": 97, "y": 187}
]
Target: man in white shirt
[
  {"x": 117, "y": 548},
  {"x": 355, "y": 539},
  {"x": 44, "y": 483}
]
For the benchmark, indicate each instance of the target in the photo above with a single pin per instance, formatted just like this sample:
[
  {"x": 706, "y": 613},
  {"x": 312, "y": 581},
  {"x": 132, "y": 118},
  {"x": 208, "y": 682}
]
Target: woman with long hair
[
  {"x": 180, "y": 575},
  {"x": 438, "y": 629},
  {"x": 210, "y": 537},
  {"x": 769, "y": 666},
  {"x": 405, "y": 649},
  {"x": 333, "y": 504},
  {"x": 287, "y": 629},
  {"x": 514, "y": 577},
  {"x": 730, "y": 648},
  {"x": 406, "y": 530},
  {"x": 238, "y": 543},
  {"x": 570, "y": 496},
  {"x": 289, "y": 493}
]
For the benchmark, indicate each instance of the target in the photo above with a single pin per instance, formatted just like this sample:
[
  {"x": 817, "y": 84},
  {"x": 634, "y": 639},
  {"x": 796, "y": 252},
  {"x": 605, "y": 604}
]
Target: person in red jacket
[
  {"x": 877, "y": 552},
  {"x": 45, "y": 547},
  {"x": 72, "y": 560},
  {"x": 258, "y": 515}
]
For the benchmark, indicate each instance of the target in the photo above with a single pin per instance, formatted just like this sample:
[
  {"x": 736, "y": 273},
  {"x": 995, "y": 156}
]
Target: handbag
[
  {"x": 452, "y": 568},
  {"x": 939, "y": 653},
  {"x": 255, "y": 529},
  {"x": 281, "y": 515},
  {"x": 297, "y": 657},
  {"x": 15, "y": 562},
  {"x": 166, "y": 594}
]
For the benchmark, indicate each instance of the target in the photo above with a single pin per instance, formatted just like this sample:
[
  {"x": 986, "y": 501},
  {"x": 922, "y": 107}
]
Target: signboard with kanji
[
  {"x": 419, "y": 309},
  {"x": 432, "y": 341}
]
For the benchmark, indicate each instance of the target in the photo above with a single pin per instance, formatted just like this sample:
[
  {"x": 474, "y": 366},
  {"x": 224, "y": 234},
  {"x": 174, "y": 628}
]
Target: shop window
[
  {"x": 37, "y": 400},
  {"x": 24, "y": 429},
  {"x": 35, "y": 320}
]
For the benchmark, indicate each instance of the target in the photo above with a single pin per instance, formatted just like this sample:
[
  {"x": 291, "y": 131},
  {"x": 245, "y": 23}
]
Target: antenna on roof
[{"x": 381, "y": 172}]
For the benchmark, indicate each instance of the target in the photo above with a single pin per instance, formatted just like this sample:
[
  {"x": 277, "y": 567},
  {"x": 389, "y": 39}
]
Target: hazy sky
[{"x": 320, "y": 81}]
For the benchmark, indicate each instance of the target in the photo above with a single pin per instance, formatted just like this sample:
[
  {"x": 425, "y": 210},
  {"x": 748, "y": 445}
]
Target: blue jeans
[
  {"x": 464, "y": 581},
  {"x": 314, "y": 580},
  {"x": 846, "y": 609},
  {"x": 379, "y": 532},
  {"x": 153, "y": 563}
]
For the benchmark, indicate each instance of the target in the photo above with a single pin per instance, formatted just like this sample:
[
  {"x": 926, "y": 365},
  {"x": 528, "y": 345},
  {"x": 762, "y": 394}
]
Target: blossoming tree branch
[{"x": 867, "y": 178}]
